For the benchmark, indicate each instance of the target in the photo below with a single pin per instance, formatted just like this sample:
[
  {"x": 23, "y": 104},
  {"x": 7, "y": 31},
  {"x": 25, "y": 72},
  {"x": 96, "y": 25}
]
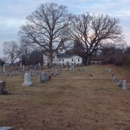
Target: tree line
[{"x": 51, "y": 26}]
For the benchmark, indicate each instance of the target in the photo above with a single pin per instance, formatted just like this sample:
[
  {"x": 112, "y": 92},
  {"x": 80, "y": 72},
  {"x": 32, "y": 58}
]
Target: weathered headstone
[
  {"x": 120, "y": 83},
  {"x": 16, "y": 72},
  {"x": 27, "y": 81},
  {"x": 39, "y": 66},
  {"x": 6, "y": 73},
  {"x": 57, "y": 72},
  {"x": 33, "y": 73},
  {"x": 47, "y": 75},
  {"x": 30, "y": 72},
  {"x": 114, "y": 79},
  {"x": 124, "y": 85},
  {"x": 40, "y": 78},
  {"x": 20, "y": 64},
  {"x": 109, "y": 70},
  {"x": 3, "y": 68},
  {"x": 73, "y": 68},
  {"x": 37, "y": 72},
  {"x": 70, "y": 67},
  {"x": 92, "y": 70},
  {"x": 13, "y": 73},
  {"x": 43, "y": 76},
  {"x": 22, "y": 76},
  {"x": 3, "y": 87},
  {"x": 54, "y": 74},
  {"x": 60, "y": 70}
]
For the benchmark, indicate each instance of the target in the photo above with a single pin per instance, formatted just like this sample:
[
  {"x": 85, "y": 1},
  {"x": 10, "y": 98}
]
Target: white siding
[{"x": 70, "y": 61}]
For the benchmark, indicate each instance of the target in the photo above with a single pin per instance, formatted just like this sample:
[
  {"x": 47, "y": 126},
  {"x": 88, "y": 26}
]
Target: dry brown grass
[{"x": 70, "y": 101}]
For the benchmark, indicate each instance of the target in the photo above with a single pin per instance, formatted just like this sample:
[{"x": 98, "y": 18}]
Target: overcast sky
[{"x": 13, "y": 14}]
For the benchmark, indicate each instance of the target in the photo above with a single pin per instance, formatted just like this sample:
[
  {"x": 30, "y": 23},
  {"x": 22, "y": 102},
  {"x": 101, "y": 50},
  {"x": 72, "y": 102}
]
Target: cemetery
[{"x": 85, "y": 97}]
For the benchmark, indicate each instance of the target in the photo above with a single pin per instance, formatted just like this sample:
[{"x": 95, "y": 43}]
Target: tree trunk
[
  {"x": 50, "y": 61},
  {"x": 86, "y": 60}
]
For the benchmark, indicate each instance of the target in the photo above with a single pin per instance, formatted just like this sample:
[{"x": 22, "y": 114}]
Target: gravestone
[
  {"x": 54, "y": 74},
  {"x": 73, "y": 68},
  {"x": 70, "y": 67},
  {"x": 47, "y": 75},
  {"x": 27, "y": 81},
  {"x": 43, "y": 76},
  {"x": 120, "y": 83},
  {"x": 40, "y": 78},
  {"x": 16, "y": 72},
  {"x": 60, "y": 70},
  {"x": 20, "y": 64},
  {"x": 13, "y": 73},
  {"x": 114, "y": 79},
  {"x": 36, "y": 72},
  {"x": 57, "y": 72},
  {"x": 39, "y": 65},
  {"x": 33, "y": 73},
  {"x": 124, "y": 85},
  {"x": 6, "y": 73},
  {"x": 92, "y": 70},
  {"x": 3, "y": 68},
  {"x": 22, "y": 76},
  {"x": 109, "y": 70},
  {"x": 3, "y": 87},
  {"x": 6, "y": 128},
  {"x": 30, "y": 72}
]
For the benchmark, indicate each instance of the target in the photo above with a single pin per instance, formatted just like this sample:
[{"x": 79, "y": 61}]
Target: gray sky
[{"x": 13, "y": 14}]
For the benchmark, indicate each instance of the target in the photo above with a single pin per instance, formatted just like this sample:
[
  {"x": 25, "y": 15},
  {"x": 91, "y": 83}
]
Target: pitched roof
[{"x": 63, "y": 55}]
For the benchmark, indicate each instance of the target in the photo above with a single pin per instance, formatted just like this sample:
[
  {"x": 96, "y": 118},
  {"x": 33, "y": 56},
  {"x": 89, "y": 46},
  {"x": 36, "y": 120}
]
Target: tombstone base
[
  {"x": 27, "y": 84},
  {"x": 6, "y": 128},
  {"x": 4, "y": 92}
]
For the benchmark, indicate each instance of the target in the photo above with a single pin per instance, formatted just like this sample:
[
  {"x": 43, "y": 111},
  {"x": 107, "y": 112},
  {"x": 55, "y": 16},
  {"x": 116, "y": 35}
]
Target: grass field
[{"x": 70, "y": 101}]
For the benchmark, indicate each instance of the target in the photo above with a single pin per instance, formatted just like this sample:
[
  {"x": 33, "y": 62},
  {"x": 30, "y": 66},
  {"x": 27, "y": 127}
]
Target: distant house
[{"x": 64, "y": 59}]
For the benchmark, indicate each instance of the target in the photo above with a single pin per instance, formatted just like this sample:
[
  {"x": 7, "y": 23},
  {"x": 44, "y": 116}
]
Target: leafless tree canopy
[
  {"x": 89, "y": 31},
  {"x": 50, "y": 25},
  {"x": 47, "y": 27},
  {"x": 11, "y": 50}
]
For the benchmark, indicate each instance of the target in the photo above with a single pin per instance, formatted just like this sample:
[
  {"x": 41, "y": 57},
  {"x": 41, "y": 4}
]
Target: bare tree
[
  {"x": 11, "y": 50},
  {"x": 25, "y": 50},
  {"x": 89, "y": 32},
  {"x": 46, "y": 27}
]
